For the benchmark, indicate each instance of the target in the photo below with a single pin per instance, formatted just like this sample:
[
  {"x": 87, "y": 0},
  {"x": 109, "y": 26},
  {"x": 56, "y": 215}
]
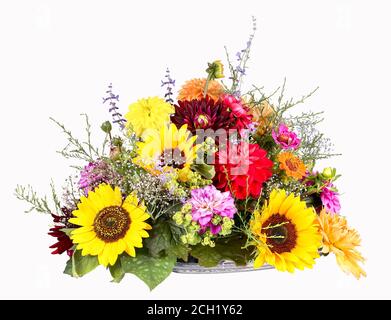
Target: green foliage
[
  {"x": 225, "y": 249},
  {"x": 151, "y": 270},
  {"x": 205, "y": 170},
  {"x": 78, "y": 265},
  {"x": 117, "y": 272},
  {"x": 164, "y": 238},
  {"x": 29, "y": 195},
  {"x": 179, "y": 250},
  {"x": 82, "y": 150}
]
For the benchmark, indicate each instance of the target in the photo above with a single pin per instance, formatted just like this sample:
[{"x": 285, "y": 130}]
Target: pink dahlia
[
  {"x": 239, "y": 112},
  {"x": 330, "y": 200},
  {"x": 285, "y": 138},
  {"x": 209, "y": 202}
]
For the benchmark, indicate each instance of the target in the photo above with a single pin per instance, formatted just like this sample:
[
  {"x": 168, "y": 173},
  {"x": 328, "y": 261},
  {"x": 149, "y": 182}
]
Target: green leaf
[
  {"x": 205, "y": 170},
  {"x": 225, "y": 249},
  {"x": 78, "y": 265},
  {"x": 179, "y": 250},
  {"x": 165, "y": 235},
  {"x": 151, "y": 270},
  {"x": 117, "y": 272},
  {"x": 159, "y": 238}
]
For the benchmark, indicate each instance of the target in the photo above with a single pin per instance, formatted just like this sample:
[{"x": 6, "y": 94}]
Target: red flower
[
  {"x": 203, "y": 113},
  {"x": 64, "y": 243},
  {"x": 240, "y": 114},
  {"x": 243, "y": 169}
]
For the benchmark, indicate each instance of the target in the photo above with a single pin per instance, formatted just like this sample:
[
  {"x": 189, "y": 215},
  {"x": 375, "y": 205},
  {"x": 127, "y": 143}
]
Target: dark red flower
[
  {"x": 64, "y": 243},
  {"x": 242, "y": 169},
  {"x": 203, "y": 113}
]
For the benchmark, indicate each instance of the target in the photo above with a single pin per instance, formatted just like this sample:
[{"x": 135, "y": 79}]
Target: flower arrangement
[{"x": 216, "y": 174}]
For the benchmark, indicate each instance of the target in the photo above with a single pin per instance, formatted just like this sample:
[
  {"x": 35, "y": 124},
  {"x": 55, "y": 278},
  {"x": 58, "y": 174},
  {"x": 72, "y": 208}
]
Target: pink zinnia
[
  {"x": 285, "y": 138},
  {"x": 330, "y": 200},
  {"x": 208, "y": 202}
]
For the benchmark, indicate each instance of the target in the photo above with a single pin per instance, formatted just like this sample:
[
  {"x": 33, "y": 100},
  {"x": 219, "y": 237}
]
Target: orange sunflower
[
  {"x": 194, "y": 89},
  {"x": 341, "y": 240},
  {"x": 292, "y": 165}
]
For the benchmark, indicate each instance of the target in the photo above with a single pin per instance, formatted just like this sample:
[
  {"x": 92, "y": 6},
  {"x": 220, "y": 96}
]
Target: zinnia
[
  {"x": 285, "y": 138},
  {"x": 243, "y": 168}
]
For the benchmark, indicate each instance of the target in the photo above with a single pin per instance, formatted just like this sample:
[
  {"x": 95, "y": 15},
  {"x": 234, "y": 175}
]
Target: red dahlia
[
  {"x": 203, "y": 113},
  {"x": 64, "y": 243},
  {"x": 243, "y": 169}
]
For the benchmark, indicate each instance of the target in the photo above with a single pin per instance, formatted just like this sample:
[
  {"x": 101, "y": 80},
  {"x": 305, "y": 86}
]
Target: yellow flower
[
  {"x": 109, "y": 226},
  {"x": 286, "y": 234},
  {"x": 173, "y": 149},
  {"x": 149, "y": 113},
  {"x": 339, "y": 239},
  {"x": 292, "y": 165},
  {"x": 194, "y": 89}
]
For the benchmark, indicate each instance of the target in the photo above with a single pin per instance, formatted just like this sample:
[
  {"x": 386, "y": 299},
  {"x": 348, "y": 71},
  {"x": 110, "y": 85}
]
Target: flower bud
[
  {"x": 328, "y": 173},
  {"x": 106, "y": 127},
  {"x": 215, "y": 70}
]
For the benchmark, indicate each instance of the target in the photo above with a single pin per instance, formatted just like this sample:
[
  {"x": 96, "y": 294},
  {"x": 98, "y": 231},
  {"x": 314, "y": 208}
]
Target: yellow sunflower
[
  {"x": 341, "y": 240},
  {"x": 169, "y": 147},
  {"x": 292, "y": 165},
  {"x": 194, "y": 89},
  {"x": 286, "y": 234},
  {"x": 149, "y": 113},
  {"x": 109, "y": 226}
]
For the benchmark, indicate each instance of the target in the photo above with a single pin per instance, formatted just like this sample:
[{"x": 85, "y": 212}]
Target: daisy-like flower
[
  {"x": 285, "y": 138},
  {"x": 109, "y": 225},
  {"x": 207, "y": 203},
  {"x": 194, "y": 89},
  {"x": 168, "y": 149},
  {"x": 286, "y": 233},
  {"x": 149, "y": 113},
  {"x": 341, "y": 240},
  {"x": 292, "y": 165},
  {"x": 330, "y": 199}
]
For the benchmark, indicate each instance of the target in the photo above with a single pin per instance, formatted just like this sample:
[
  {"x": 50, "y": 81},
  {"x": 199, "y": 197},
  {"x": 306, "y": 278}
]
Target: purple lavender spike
[
  {"x": 113, "y": 109},
  {"x": 169, "y": 83}
]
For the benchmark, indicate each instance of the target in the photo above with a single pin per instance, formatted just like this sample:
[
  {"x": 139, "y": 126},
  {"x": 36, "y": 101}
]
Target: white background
[{"x": 56, "y": 57}]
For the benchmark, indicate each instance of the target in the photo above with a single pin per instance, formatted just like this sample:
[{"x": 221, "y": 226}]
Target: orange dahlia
[
  {"x": 194, "y": 89},
  {"x": 262, "y": 115},
  {"x": 341, "y": 240},
  {"x": 292, "y": 165}
]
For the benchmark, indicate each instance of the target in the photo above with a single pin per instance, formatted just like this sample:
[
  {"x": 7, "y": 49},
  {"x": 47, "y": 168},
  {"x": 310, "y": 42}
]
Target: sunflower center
[
  {"x": 174, "y": 158},
  {"x": 112, "y": 223},
  {"x": 281, "y": 235},
  {"x": 292, "y": 165}
]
